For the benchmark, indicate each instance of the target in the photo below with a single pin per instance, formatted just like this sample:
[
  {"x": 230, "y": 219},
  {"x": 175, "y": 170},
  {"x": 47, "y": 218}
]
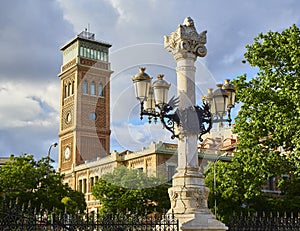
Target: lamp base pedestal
[
  {"x": 200, "y": 221},
  {"x": 189, "y": 202}
]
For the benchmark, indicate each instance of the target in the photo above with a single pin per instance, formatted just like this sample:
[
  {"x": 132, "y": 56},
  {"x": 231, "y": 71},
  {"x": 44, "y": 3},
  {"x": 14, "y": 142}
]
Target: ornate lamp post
[{"x": 186, "y": 122}]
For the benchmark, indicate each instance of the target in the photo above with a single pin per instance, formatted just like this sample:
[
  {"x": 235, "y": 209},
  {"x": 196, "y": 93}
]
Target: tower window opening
[
  {"x": 93, "y": 88},
  {"x": 70, "y": 92},
  {"x": 105, "y": 58},
  {"x": 81, "y": 51},
  {"x": 66, "y": 91},
  {"x": 88, "y": 53},
  {"x": 73, "y": 86},
  {"x": 100, "y": 90},
  {"x": 92, "y": 53},
  {"x": 85, "y": 87},
  {"x": 93, "y": 116}
]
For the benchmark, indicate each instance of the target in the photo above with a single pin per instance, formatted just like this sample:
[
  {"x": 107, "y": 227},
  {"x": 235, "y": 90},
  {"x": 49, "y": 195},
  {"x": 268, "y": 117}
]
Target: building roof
[{"x": 87, "y": 36}]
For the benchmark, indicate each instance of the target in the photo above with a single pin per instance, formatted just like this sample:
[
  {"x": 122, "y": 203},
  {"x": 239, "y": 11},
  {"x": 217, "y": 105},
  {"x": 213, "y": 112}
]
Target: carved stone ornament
[
  {"x": 186, "y": 38},
  {"x": 201, "y": 196},
  {"x": 173, "y": 197}
]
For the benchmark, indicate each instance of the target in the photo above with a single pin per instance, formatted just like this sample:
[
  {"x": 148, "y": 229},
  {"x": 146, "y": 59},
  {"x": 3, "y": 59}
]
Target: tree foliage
[
  {"x": 268, "y": 126},
  {"x": 130, "y": 190},
  {"x": 37, "y": 183}
]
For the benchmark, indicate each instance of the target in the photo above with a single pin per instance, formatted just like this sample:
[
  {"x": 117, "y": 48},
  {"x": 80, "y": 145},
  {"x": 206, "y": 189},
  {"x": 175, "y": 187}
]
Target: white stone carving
[{"x": 186, "y": 38}]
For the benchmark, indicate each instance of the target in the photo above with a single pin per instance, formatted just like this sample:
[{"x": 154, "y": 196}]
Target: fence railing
[
  {"x": 265, "y": 221},
  {"x": 14, "y": 217}
]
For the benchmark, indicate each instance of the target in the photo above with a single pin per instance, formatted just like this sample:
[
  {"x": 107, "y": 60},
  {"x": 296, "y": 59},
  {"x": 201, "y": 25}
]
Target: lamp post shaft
[
  {"x": 187, "y": 144},
  {"x": 188, "y": 193},
  {"x": 49, "y": 150}
]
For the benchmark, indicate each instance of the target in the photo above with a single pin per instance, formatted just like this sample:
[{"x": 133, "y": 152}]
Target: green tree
[
  {"x": 131, "y": 190},
  {"x": 27, "y": 180},
  {"x": 268, "y": 127}
]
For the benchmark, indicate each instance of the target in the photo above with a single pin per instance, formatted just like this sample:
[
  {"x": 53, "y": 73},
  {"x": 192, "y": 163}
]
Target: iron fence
[
  {"x": 14, "y": 217},
  {"x": 265, "y": 222}
]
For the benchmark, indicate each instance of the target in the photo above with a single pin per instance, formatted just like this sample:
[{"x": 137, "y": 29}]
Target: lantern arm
[
  {"x": 200, "y": 124},
  {"x": 143, "y": 112},
  {"x": 197, "y": 120},
  {"x": 205, "y": 119},
  {"x": 169, "y": 122}
]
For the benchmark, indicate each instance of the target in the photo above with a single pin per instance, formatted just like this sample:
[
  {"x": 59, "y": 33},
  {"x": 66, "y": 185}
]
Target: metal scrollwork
[
  {"x": 205, "y": 119},
  {"x": 194, "y": 119},
  {"x": 169, "y": 122}
]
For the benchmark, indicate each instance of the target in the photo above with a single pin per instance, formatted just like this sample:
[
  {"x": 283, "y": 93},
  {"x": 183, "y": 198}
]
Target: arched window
[
  {"x": 66, "y": 91},
  {"x": 85, "y": 87},
  {"x": 93, "y": 88},
  {"x": 88, "y": 53},
  {"x": 92, "y": 53},
  {"x": 84, "y": 52},
  {"x": 81, "y": 51},
  {"x": 73, "y": 86},
  {"x": 70, "y": 90},
  {"x": 100, "y": 89},
  {"x": 105, "y": 58}
]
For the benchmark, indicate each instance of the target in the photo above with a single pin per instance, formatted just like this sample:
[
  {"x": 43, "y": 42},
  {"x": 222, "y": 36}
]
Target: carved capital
[{"x": 186, "y": 40}]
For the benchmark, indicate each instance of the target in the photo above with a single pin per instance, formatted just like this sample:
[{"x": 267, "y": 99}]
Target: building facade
[{"x": 158, "y": 159}]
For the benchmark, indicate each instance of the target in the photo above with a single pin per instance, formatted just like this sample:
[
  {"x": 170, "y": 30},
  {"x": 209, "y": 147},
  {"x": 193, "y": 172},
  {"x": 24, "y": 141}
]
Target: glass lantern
[
  {"x": 161, "y": 89},
  {"x": 142, "y": 82},
  {"x": 220, "y": 101},
  {"x": 230, "y": 90}
]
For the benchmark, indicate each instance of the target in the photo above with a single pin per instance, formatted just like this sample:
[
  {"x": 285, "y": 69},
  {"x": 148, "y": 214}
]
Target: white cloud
[
  {"x": 22, "y": 104},
  {"x": 29, "y": 117}
]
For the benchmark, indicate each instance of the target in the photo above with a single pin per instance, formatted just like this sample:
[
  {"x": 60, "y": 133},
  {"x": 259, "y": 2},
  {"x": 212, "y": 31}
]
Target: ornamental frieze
[{"x": 69, "y": 64}]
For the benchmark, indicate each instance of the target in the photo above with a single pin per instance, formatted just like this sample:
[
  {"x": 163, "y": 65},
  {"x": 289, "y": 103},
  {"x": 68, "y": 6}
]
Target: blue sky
[{"x": 32, "y": 31}]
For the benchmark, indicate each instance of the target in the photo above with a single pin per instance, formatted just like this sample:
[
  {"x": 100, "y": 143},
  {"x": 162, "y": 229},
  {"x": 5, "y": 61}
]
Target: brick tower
[{"x": 84, "y": 132}]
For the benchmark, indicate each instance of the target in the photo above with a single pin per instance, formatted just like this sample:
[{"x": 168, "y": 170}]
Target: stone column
[{"x": 189, "y": 194}]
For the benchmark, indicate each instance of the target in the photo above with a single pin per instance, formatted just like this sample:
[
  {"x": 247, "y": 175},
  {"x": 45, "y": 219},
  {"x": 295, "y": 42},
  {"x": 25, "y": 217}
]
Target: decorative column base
[
  {"x": 189, "y": 202},
  {"x": 201, "y": 220}
]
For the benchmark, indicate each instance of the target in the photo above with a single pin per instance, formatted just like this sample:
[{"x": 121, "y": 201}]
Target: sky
[{"x": 32, "y": 32}]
